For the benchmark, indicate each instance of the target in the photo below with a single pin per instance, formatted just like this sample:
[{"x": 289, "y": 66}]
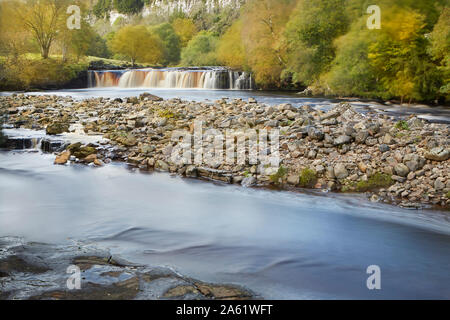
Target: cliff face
[
  {"x": 167, "y": 7},
  {"x": 189, "y": 6}
]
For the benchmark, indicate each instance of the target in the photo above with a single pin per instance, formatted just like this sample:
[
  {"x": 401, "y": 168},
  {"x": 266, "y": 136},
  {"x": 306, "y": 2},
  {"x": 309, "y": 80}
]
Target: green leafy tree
[
  {"x": 440, "y": 49},
  {"x": 310, "y": 33},
  {"x": 201, "y": 50},
  {"x": 101, "y": 8},
  {"x": 170, "y": 41},
  {"x": 128, "y": 6}
]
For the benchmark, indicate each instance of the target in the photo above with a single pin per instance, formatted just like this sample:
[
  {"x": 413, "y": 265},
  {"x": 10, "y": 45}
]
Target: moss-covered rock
[
  {"x": 57, "y": 128},
  {"x": 83, "y": 152},
  {"x": 375, "y": 181}
]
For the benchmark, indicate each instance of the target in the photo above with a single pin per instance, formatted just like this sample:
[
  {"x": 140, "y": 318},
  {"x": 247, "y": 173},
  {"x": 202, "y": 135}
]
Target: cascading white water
[{"x": 218, "y": 78}]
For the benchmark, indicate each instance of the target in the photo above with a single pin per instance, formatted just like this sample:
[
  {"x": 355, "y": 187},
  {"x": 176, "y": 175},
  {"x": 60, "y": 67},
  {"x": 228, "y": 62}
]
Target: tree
[
  {"x": 201, "y": 50},
  {"x": 128, "y": 6},
  {"x": 101, "y": 8},
  {"x": 263, "y": 40},
  {"x": 14, "y": 37},
  {"x": 231, "y": 51},
  {"x": 440, "y": 49},
  {"x": 137, "y": 44},
  {"x": 351, "y": 72},
  {"x": 396, "y": 53},
  {"x": 170, "y": 41},
  {"x": 42, "y": 18},
  {"x": 185, "y": 30},
  {"x": 310, "y": 33},
  {"x": 82, "y": 39}
]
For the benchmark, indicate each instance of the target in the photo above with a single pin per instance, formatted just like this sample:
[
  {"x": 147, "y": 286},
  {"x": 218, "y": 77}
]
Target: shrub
[
  {"x": 308, "y": 178},
  {"x": 402, "y": 125}
]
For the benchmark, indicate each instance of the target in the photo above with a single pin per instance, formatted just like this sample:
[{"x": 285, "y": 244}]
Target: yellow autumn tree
[
  {"x": 230, "y": 51},
  {"x": 265, "y": 48},
  {"x": 395, "y": 51},
  {"x": 138, "y": 44},
  {"x": 185, "y": 30}
]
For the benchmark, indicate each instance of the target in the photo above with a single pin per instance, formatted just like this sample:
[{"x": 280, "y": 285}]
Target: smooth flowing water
[{"x": 279, "y": 244}]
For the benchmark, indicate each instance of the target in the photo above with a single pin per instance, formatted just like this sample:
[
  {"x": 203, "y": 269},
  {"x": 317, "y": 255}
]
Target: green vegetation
[
  {"x": 200, "y": 51},
  {"x": 277, "y": 178},
  {"x": 448, "y": 195},
  {"x": 402, "y": 125},
  {"x": 308, "y": 178},
  {"x": 375, "y": 181},
  {"x": 166, "y": 114},
  {"x": 323, "y": 44},
  {"x": 128, "y": 6}
]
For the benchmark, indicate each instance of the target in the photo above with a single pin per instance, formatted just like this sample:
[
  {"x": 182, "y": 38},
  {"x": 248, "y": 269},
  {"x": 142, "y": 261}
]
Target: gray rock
[
  {"x": 340, "y": 171},
  {"x": 315, "y": 134},
  {"x": 398, "y": 178},
  {"x": 384, "y": 148},
  {"x": 293, "y": 179},
  {"x": 439, "y": 184},
  {"x": 248, "y": 182},
  {"x": 387, "y": 139},
  {"x": 191, "y": 172},
  {"x": 401, "y": 170},
  {"x": 344, "y": 139},
  {"x": 438, "y": 154},
  {"x": 272, "y": 124},
  {"x": 161, "y": 165}
]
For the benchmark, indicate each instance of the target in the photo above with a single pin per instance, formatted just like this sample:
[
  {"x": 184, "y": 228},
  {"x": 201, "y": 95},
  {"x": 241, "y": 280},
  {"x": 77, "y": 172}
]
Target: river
[{"x": 281, "y": 245}]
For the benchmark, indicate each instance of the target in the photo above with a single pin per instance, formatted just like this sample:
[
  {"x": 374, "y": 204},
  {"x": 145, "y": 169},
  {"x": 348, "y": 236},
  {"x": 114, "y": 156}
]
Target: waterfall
[{"x": 176, "y": 78}]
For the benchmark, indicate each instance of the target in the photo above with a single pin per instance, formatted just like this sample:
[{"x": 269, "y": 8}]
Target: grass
[
  {"x": 308, "y": 178},
  {"x": 448, "y": 195},
  {"x": 402, "y": 125}
]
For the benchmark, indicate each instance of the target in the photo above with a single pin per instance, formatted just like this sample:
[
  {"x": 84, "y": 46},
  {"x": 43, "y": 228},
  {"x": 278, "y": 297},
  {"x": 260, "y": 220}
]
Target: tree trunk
[{"x": 44, "y": 51}]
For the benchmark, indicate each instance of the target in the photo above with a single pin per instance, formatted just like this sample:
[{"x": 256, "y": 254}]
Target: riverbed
[
  {"x": 438, "y": 114},
  {"x": 281, "y": 245}
]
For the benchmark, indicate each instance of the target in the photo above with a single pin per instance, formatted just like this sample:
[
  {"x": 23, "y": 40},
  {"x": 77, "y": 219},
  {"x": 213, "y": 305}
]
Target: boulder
[
  {"x": 343, "y": 139},
  {"x": 401, "y": 170},
  {"x": 340, "y": 172},
  {"x": 57, "y": 128},
  {"x": 315, "y": 134},
  {"x": 62, "y": 158},
  {"x": 438, "y": 154}
]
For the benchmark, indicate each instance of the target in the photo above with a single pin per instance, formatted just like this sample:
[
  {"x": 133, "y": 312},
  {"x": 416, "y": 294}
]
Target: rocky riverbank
[
  {"x": 39, "y": 271},
  {"x": 403, "y": 162}
]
